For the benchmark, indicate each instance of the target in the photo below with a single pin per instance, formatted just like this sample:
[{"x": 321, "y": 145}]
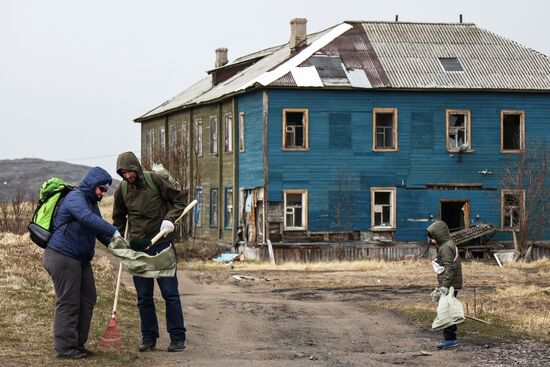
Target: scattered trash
[{"x": 226, "y": 257}]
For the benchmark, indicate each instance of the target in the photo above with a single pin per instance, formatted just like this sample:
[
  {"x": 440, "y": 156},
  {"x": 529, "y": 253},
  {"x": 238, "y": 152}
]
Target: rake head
[{"x": 111, "y": 338}]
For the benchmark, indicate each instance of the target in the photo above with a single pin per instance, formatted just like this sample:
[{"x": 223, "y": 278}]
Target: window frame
[
  {"x": 304, "y": 194},
  {"x": 197, "y": 215},
  {"x": 228, "y": 215},
  {"x": 173, "y": 136},
  {"x": 305, "y": 111},
  {"x": 468, "y": 131},
  {"x": 213, "y": 132},
  {"x": 393, "y": 209},
  {"x": 162, "y": 139},
  {"x": 521, "y": 194},
  {"x": 241, "y": 132},
  {"x": 228, "y": 133},
  {"x": 213, "y": 205},
  {"x": 198, "y": 137},
  {"x": 150, "y": 143},
  {"x": 521, "y": 149},
  {"x": 395, "y": 128}
]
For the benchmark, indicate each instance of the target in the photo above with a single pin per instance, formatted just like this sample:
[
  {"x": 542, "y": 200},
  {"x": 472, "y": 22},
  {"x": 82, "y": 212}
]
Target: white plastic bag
[{"x": 449, "y": 311}]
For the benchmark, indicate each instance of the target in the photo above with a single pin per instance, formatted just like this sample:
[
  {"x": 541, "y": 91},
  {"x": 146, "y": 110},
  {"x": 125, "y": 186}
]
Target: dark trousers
[
  {"x": 76, "y": 297},
  {"x": 449, "y": 333},
  {"x": 146, "y": 304}
]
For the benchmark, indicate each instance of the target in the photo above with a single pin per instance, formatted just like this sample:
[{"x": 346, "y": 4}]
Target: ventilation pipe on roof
[
  {"x": 221, "y": 57},
  {"x": 298, "y": 33},
  {"x": 397, "y": 17},
  {"x": 460, "y": 18}
]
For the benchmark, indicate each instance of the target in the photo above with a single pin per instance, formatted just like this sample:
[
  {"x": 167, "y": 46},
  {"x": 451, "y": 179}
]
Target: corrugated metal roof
[{"x": 395, "y": 55}]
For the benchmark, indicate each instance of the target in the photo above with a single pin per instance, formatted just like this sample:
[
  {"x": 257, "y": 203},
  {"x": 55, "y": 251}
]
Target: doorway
[{"x": 456, "y": 213}]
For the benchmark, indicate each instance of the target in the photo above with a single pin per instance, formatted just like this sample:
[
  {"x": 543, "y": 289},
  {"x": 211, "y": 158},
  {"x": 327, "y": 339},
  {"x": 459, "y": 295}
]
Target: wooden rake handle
[{"x": 163, "y": 232}]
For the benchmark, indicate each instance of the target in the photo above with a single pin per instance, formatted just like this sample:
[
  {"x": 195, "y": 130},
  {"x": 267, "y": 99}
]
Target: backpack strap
[{"x": 148, "y": 180}]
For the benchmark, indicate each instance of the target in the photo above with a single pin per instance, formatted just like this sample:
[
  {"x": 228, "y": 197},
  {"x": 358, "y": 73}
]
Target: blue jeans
[{"x": 146, "y": 304}]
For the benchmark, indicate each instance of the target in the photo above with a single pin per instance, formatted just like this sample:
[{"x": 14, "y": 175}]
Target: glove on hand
[
  {"x": 444, "y": 290},
  {"x": 168, "y": 226},
  {"x": 117, "y": 235}
]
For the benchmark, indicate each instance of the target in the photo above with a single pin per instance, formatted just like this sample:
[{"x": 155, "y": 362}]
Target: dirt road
[{"x": 263, "y": 325}]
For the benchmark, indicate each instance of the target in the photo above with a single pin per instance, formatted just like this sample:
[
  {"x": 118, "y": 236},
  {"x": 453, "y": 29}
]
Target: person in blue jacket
[{"x": 77, "y": 224}]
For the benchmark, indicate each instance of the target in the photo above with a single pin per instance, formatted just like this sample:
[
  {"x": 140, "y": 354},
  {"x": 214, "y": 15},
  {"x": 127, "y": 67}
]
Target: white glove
[
  {"x": 444, "y": 290},
  {"x": 117, "y": 234},
  {"x": 168, "y": 226}
]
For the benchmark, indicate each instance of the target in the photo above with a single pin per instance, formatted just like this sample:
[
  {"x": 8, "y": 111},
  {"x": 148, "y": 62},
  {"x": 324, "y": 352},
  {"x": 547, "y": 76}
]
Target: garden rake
[{"x": 111, "y": 338}]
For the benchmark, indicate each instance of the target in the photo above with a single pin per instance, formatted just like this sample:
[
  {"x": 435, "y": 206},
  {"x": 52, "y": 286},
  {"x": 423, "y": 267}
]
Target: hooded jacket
[
  {"x": 78, "y": 221},
  {"x": 446, "y": 256},
  {"x": 145, "y": 208}
]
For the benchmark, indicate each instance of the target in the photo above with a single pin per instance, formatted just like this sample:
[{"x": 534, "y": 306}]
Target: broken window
[
  {"x": 213, "y": 135},
  {"x": 458, "y": 131},
  {"x": 241, "y": 132},
  {"x": 382, "y": 208},
  {"x": 198, "y": 138},
  {"x": 295, "y": 129},
  {"x": 512, "y": 131},
  {"x": 512, "y": 207},
  {"x": 385, "y": 129},
  {"x": 228, "y": 133},
  {"x": 214, "y": 207},
  {"x": 295, "y": 209},
  {"x": 228, "y": 220}
]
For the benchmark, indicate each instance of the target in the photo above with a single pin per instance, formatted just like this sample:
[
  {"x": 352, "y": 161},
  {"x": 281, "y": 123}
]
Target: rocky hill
[{"x": 24, "y": 176}]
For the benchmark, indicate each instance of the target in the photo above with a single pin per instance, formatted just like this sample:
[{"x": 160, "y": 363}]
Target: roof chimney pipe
[
  {"x": 221, "y": 57},
  {"x": 397, "y": 17},
  {"x": 460, "y": 18},
  {"x": 298, "y": 33}
]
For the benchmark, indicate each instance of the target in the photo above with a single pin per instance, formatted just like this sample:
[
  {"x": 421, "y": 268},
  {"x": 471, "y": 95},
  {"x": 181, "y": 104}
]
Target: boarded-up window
[
  {"x": 213, "y": 135},
  {"x": 162, "y": 140},
  {"x": 512, "y": 207},
  {"x": 295, "y": 209},
  {"x": 214, "y": 207},
  {"x": 382, "y": 208},
  {"x": 295, "y": 129},
  {"x": 173, "y": 137},
  {"x": 512, "y": 131},
  {"x": 458, "y": 130},
  {"x": 340, "y": 130},
  {"x": 385, "y": 129}
]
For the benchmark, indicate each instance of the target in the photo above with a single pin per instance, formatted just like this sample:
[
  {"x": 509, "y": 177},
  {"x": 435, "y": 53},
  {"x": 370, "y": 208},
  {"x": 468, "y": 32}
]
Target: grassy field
[{"x": 27, "y": 303}]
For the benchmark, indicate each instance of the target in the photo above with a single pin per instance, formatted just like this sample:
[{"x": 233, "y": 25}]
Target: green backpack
[
  {"x": 52, "y": 192},
  {"x": 148, "y": 180}
]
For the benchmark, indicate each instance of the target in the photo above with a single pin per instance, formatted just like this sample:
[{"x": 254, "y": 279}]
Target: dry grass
[
  {"x": 27, "y": 303},
  {"x": 515, "y": 298}
]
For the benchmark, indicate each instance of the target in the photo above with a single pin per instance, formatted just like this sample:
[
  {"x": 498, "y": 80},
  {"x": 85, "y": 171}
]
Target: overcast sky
[{"x": 74, "y": 74}]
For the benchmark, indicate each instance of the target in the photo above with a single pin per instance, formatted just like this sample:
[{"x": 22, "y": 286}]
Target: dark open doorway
[{"x": 456, "y": 213}]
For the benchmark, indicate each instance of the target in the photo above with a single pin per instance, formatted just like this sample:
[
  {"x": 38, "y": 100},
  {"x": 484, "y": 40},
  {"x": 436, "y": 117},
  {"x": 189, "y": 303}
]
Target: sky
[{"x": 75, "y": 74}]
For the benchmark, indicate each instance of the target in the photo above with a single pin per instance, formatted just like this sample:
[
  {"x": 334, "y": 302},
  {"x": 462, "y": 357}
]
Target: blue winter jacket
[{"x": 78, "y": 221}]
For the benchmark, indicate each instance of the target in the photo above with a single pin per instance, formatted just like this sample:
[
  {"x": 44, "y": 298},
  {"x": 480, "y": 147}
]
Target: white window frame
[
  {"x": 290, "y": 209},
  {"x": 214, "y": 220},
  {"x": 213, "y": 135},
  {"x": 378, "y": 209},
  {"x": 150, "y": 143},
  {"x": 228, "y": 133},
  {"x": 173, "y": 137},
  {"x": 199, "y": 192},
  {"x": 228, "y": 208},
  {"x": 241, "y": 132}
]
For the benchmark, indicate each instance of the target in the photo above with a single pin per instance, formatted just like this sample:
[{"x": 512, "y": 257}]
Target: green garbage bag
[{"x": 449, "y": 311}]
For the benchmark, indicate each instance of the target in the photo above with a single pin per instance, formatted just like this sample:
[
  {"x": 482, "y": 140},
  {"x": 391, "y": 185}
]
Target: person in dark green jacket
[
  {"x": 150, "y": 208},
  {"x": 451, "y": 276}
]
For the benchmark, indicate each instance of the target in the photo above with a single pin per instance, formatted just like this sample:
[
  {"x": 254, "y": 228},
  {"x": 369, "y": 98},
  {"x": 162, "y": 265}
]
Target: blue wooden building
[{"x": 365, "y": 131}]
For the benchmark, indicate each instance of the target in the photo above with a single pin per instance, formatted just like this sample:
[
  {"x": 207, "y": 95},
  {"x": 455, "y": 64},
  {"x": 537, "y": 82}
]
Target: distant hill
[{"x": 25, "y": 176}]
